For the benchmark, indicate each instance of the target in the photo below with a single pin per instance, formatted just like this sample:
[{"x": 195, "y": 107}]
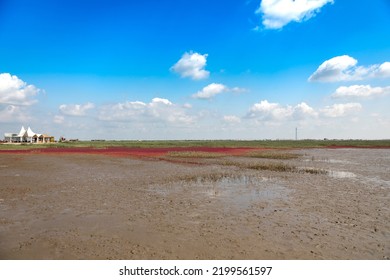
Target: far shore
[{"x": 277, "y": 144}]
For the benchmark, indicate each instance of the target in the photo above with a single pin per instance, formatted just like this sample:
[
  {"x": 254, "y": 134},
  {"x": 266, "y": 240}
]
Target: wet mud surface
[{"x": 91, "y": 206}]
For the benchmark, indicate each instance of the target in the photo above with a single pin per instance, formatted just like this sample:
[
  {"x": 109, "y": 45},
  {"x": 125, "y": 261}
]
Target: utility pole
[{"x": 296, "y": 133}]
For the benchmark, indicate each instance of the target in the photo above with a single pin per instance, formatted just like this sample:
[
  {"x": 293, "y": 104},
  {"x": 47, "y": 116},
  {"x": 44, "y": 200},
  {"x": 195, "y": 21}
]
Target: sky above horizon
[{"x": 176, "y": 69}]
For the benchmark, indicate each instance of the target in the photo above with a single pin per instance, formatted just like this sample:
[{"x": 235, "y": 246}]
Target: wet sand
[{"x": 91, "y": 206}]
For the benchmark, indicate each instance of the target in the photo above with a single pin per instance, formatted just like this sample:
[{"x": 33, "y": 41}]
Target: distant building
[{"x": 27, "y": 136}]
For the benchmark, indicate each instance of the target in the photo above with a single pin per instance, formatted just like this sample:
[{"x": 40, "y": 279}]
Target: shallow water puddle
[
  {"x": 232, "y": 191},
  {"x": 341, "y": 174},
  {"x": 242, "y": 191},
  {"x": 329, "y": 160}
]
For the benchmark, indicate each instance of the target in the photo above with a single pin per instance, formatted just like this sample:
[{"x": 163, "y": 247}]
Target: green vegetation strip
[{"x": 277, "y": 144}]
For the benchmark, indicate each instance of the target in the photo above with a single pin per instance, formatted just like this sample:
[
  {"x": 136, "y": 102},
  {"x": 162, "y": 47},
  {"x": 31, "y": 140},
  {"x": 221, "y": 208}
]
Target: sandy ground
[{"x": 79, "y": 206}]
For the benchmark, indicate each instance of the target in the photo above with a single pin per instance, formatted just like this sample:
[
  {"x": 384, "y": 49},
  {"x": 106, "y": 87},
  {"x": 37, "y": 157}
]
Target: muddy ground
[{"x": 83, "y": 206}]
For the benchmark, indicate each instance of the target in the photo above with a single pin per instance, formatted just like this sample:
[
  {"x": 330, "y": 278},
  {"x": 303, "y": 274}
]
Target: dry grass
[
  {"x": 272, "y": 155},
  {"x": 192, "y": 154}
]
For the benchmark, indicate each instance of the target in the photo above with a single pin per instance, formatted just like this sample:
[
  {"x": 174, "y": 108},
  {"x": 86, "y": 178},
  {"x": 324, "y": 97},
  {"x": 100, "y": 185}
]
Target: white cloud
[
  {"x": 76, "y": 109},
  {"x": 360, "y": 91},
  {"x": 231, "y": 119},
  {"x": 158, "y": 110},
  {"x": 266, "y": 110},
  {"x": 384, "y": 70},
  {"x": 278, "y": 13},
  {"x": 340, "y": 110},
  {"x": 12, "y": 113},
  {"x": 157, "y": 100},
  {"x": 344, "y": 68},
  {"x": 192, "y": 65},
  {"x": 302, "y": 110},
  {"x": 214, "y": 89},
  {"x": 14, "y": 91},
  {"x": 275, "y": 112},
  {"x": 238, "y": 90},
  {"x": 210, "y": 91},
  {"x": 338, "y": 68}
]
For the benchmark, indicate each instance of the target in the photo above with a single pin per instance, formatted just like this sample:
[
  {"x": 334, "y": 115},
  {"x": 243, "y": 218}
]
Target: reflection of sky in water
[
  {"x": 374, "y": 181},
  {"x": 367, "y": 166},
  {"x": 329, "y": 160},
  {"x": 341, "y": 174},
  {"x": 243, "y": 191}
]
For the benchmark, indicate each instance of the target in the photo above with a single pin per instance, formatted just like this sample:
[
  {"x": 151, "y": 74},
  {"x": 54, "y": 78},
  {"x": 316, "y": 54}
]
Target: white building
[{"x": 27, "y": 136}]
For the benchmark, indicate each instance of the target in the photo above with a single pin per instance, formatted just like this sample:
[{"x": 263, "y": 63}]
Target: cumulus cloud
[
  {"x": 210, "y": 91},
  {"x": 275, "y": 112},
  {"x": 76, "y": 109},
  {"x": 269, "y": 111},
  {"x": 341, "y": 110},
  {"x": 158, "y": 110},
  {"x": 192, "y": 65},
  {"x": 14, "y": 91},
  {"x": 12, "y": 113},
  {"x": 360, "y": 91},
  {"x": 384, "y": 70},
  {"x": 157, "y": 100},
  {"x": 278, "y": 13},
  {"x": 344, "y": 68},
  {"x": 214, "y": 89},
  {"x": 302, "y": 110}
]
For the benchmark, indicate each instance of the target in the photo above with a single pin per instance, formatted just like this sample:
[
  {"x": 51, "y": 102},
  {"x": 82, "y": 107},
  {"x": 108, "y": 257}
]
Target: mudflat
[{"x": 92, "y": 206}]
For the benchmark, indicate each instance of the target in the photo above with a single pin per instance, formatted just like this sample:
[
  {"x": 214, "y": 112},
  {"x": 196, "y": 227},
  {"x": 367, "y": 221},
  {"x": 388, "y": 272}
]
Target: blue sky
[{"x": 196, "y": 69}]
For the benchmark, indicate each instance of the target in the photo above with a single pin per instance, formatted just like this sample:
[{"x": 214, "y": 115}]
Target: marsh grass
[
  {"x": 271, "y": 166},
  {"x": 193, "y": 154},
  {"x": 276, "y": 167},
  {"x": 220, "y": 176},
  {"x": 272, "y": 155},
  {"x": 212, "y": 177},
  {"x": 315, "y": 171}
]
